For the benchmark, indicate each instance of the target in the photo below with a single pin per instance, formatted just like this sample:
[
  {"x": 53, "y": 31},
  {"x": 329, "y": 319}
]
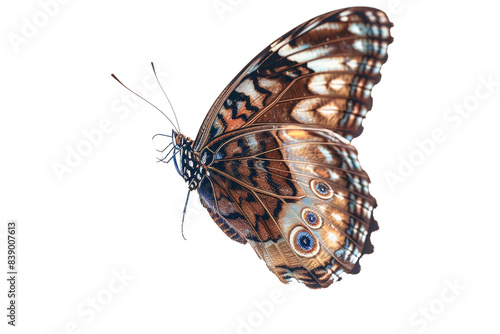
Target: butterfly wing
[
  {"x": 297, "y": 194},
  {"x": 321, "y": 72},
  {"x": 281, "y": 172}
]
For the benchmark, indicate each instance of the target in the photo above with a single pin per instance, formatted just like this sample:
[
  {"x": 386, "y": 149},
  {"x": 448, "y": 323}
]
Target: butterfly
[{"x": 273, "y": 161}]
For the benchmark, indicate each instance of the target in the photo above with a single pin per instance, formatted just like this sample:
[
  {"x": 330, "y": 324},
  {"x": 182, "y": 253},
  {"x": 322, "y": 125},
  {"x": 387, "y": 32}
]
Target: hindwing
[{"x": 297, "y": 194}]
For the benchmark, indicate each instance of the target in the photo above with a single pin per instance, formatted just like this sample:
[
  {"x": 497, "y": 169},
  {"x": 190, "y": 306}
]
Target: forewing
[{"x": 321, "y": 72}]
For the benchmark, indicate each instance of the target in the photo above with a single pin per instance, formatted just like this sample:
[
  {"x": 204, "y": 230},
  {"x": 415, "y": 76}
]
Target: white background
[{"x": 118, "y": 211}]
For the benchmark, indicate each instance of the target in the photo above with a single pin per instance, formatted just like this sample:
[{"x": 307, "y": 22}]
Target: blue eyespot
[
  {"x": 321, "y": 189},
  {"x": 305, "y": 241},
  {"x": 311, "y": 218}
]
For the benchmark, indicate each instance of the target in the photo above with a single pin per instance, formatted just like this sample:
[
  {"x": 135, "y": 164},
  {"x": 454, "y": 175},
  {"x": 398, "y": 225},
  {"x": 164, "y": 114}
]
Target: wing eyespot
[
  {"x": 321, "y": 189},
  {"x": 303, "y": 242},
  {"x": 311, "y": 218}
]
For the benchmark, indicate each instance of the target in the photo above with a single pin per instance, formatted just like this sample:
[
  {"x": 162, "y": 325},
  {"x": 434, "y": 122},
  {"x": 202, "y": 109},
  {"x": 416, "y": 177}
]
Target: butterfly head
[{"x": 180, "y": 141}]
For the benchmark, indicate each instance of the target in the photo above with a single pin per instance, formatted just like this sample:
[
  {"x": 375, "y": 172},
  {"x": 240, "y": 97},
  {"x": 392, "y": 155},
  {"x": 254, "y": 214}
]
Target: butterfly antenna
[
  {"x": 114, "y": 77},
  {"x": 170, "y": 103},
  {"x": 184, "y": 215}
]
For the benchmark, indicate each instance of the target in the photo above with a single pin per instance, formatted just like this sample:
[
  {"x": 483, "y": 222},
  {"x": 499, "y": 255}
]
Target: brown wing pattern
[
  {"x": 280, "y": 172},
  {"x": 321, "y": 72},
  {"x": 272, "y": 185}
]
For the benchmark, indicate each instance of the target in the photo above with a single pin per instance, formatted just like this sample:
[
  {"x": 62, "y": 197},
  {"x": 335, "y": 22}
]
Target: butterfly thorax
[{"x": 192, "y": 169}]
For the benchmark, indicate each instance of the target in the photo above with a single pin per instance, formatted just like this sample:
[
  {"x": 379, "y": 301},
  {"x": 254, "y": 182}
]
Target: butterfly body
[
  {"x": 273, "y": 163},
  {"x": 192, "y": 171}
]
